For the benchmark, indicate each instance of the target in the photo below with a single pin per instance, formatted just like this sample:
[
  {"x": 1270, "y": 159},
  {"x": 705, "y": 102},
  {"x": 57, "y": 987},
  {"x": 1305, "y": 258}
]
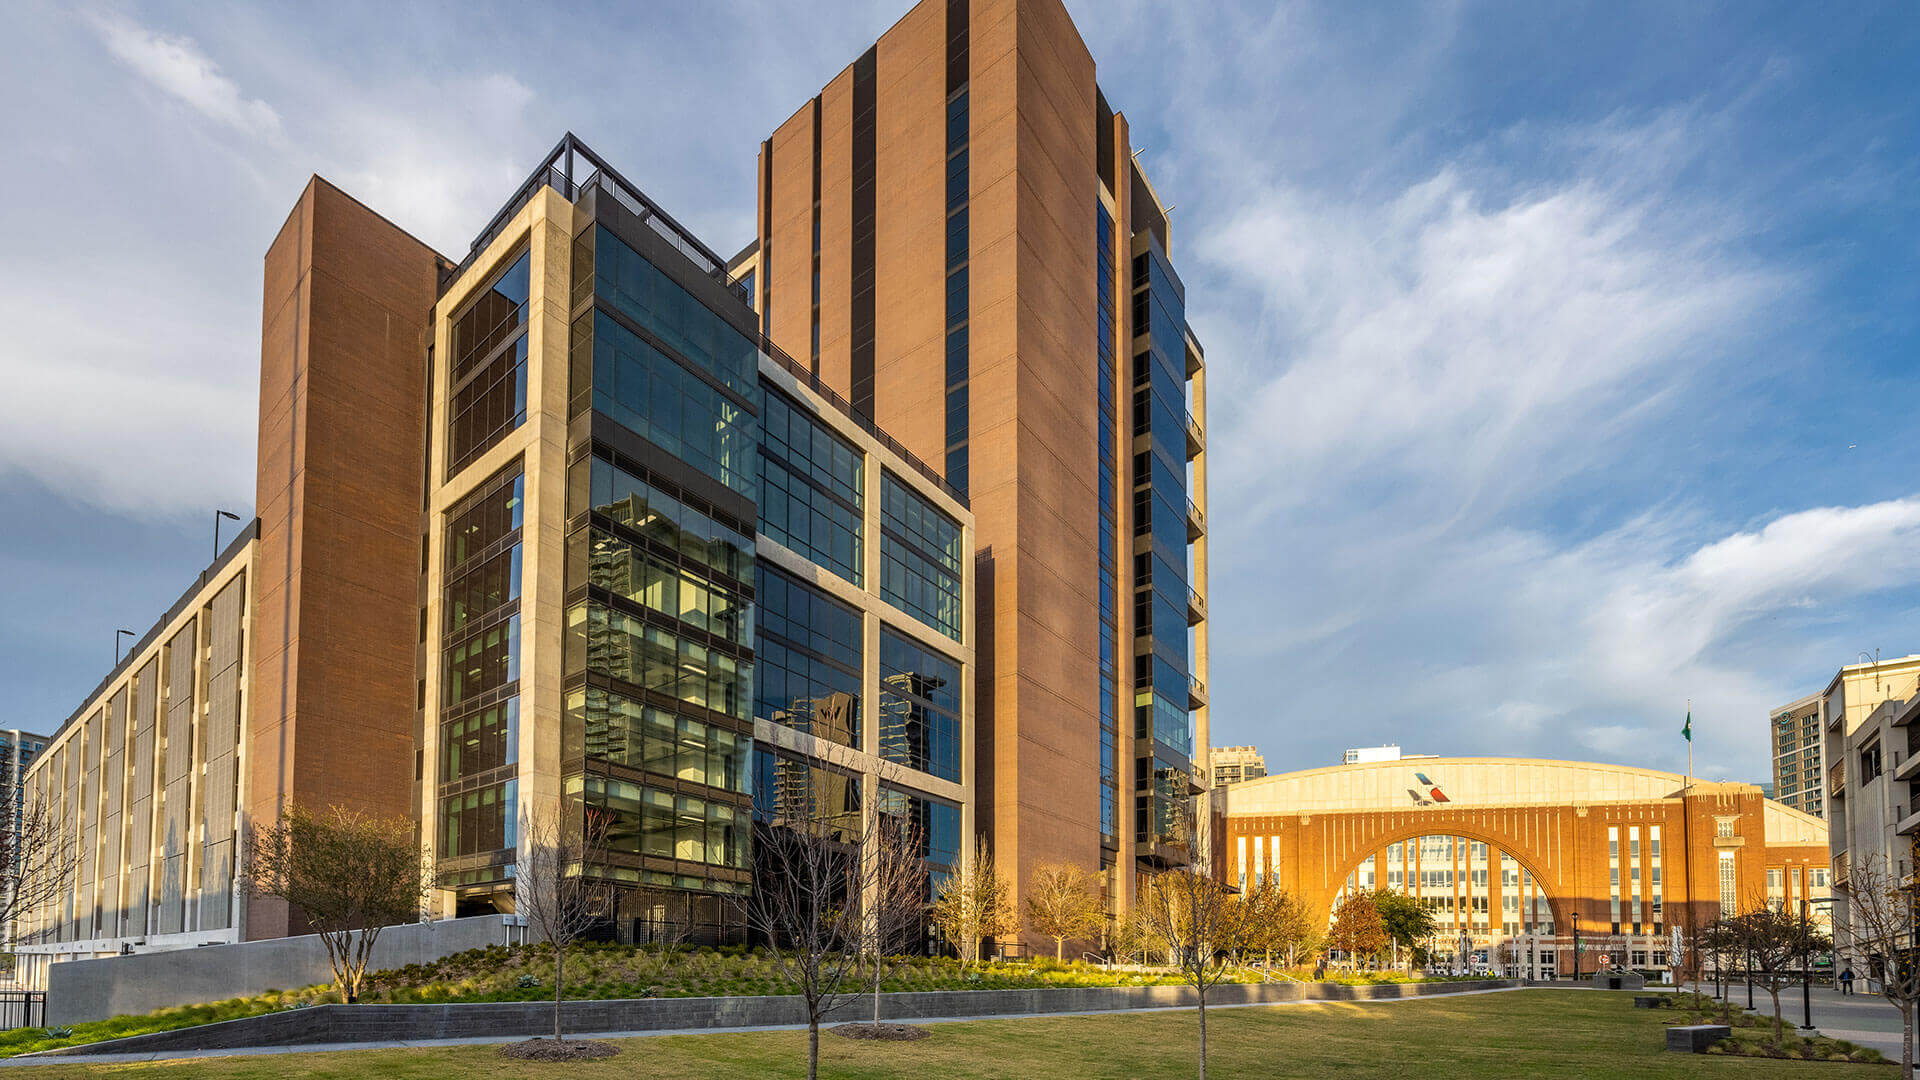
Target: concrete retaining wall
[
  {"x": 79, "y": 990},
  {"x": 324, "y": 1024}
]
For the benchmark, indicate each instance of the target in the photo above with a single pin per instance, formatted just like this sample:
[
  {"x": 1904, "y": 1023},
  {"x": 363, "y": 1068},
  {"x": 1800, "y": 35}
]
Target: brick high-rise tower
[{"x": 954, "y": 234}]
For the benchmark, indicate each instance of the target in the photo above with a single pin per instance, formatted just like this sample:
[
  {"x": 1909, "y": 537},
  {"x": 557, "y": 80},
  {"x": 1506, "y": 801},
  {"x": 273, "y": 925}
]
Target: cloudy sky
[{"x": 1562, "y": 357}]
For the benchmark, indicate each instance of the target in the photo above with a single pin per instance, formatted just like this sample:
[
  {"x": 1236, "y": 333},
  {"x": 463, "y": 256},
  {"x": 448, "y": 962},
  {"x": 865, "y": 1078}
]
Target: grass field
[{"x": 1561, "y": 1033}]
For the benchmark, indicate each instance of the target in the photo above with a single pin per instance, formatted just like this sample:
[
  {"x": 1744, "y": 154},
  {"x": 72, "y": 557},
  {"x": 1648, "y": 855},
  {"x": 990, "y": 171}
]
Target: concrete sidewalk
[
  {"x": 30, "y": 1060},
  {"x": 1861, "y": 1018}
]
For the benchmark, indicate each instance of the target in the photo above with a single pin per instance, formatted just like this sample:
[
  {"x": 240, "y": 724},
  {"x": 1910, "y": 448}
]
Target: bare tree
[
  {"x": 555, "y": 890},
  {"x": 1719, "y": 943},
  {"x": 1061, "y": 904},
  {"x": 37, "y": 863},
  {"x": 349, "y": 875},
  {"x": 1199, "y": 917},
  {"x": 1880, "y": 925},
  {"x": 897, "y": 893},
  {"x": 1299, "y": 932},
  {"x": 973, "y": 904},
  {"x": 813, "y": 875},
  {"x": 1775, "y": 944}
]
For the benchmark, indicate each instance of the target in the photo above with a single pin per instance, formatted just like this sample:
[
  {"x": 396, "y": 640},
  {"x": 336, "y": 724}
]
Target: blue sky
[{"x": 1561, "y": 356}]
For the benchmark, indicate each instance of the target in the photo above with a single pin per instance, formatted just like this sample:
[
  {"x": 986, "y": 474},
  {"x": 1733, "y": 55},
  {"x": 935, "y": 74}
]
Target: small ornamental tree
[
  {"x": 1061, "y": 904},
  {"x": 1199, "y": 917},
  {"x": 1407, "y": 921},
  {"x": 807, "y": 907},
  {"x": 1358, "y": 929},
  {"x": 1299, "y": 932},
  {"x": 1719, "y": 943},
  {"x": 348, "y": 874},
  {"x": 555, "y": 892},
  {"x": 896, "y": 872},
  {"x": 37, "y": 861},
  {"x": 1263, "y": 934},
  {"x": 1776, "y": 944},
  {"x": 973, "y": 904}
]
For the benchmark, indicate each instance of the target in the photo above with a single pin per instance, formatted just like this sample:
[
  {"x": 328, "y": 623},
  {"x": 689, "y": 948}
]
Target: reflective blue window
[
  {"x": 920, "y": 557},
  {"x": 807, "y": 660},
  {"x": 919, "y": 707},
  {"x": 655, "y": 301},
  {"x": 938, "y": 823},
  {"x": 811, "y": 483},
  {"x": 645, "y": 390}
]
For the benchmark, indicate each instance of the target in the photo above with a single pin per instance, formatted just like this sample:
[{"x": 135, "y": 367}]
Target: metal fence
[{"x": 22, "y": 1008}]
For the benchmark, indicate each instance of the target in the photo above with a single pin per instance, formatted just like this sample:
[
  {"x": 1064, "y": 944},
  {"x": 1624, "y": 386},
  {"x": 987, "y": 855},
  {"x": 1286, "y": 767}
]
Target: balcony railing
[
  {"x": 1196, "y": 606},
  {"x": 1196, "y": 439},
  {"x": 558, "y": 171},
  {"x": 1196, "y": 692},
  {"x": 1837, "y": 778},
  {"x": 1196, "y": 521}
]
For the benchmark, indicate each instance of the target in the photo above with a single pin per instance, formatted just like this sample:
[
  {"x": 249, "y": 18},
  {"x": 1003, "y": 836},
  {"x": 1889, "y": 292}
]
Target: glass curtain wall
[
  {"x": 480, "y": 687},
  {"x": 1163, "y": 724},
  {"x": 661, "y": 605}
]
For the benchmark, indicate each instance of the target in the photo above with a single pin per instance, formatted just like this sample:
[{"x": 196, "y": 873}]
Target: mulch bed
[
  {"x": 566, "y": 1050},
  {"x": 881, "y": 1032}
]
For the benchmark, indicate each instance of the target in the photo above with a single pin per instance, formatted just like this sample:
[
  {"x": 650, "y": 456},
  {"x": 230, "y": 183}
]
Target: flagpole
[{"x": 1689, "y": 742}]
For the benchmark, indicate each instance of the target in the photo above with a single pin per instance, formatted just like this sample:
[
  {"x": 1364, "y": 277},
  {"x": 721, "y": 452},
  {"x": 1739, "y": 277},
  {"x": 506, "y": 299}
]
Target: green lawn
[{"x": 1521, "y": 1034}]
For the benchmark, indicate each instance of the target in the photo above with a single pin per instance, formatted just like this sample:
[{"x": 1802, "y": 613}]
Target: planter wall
[{"x": 326, "y": 1024}]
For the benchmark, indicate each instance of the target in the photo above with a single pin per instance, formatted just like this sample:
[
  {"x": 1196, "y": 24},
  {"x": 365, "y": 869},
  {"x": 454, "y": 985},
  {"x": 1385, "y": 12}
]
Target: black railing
[
  {"x": 22, "y": 1009},
  {"x": 557, "y": 172}
]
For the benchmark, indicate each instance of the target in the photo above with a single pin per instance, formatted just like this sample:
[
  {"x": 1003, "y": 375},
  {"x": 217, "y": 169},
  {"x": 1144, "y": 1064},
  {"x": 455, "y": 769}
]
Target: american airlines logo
[{"x": 1427, "y": 793}]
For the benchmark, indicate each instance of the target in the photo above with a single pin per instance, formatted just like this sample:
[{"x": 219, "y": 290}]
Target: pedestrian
[{"x": 1846, "y": 982}]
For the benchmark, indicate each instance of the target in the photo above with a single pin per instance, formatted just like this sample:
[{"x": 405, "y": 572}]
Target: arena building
[{"x": 1545, "y": 868}]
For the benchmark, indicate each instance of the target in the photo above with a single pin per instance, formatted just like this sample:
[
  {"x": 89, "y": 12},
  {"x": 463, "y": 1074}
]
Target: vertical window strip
[
  {"x": 815, "y": 355},
  {"x": 1108, "y": 584},
  {"x": 959, "y": 368},
  {"x": 865, "y": 106},
  {"x": 1633, "y": 876}
]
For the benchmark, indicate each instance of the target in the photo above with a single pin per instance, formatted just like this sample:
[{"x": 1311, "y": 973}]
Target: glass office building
[{"x": 682, "y": 586}]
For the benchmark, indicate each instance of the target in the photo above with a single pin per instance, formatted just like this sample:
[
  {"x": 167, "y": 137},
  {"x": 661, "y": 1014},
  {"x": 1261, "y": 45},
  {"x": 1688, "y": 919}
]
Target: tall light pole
[
  {"x": 1576, "y": 947},
  {"x": 117, "y": 634},
  {"x": 217, "y": 515}
]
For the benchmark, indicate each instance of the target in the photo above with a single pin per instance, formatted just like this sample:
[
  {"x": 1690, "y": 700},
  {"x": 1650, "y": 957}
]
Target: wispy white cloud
[{"x": 175, "y": 65}]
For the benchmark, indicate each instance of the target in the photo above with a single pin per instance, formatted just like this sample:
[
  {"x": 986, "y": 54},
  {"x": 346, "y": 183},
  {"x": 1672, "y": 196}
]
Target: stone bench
[
  {"x": 1619, "y": 981},
  {"x": 1695, "y": 1038},
  {"x": 1651, "y": 1001}
]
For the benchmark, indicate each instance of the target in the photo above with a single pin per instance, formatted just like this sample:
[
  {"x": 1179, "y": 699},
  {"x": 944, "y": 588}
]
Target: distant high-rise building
[
  {"x": 1799, "y": 755},
  {"x": 1232, "y": 764}
]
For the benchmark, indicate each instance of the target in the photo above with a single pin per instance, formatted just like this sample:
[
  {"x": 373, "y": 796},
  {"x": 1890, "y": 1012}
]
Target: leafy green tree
[
  {"x": 1408, "y": 921},
  {"x": 1357, "y": 928}
]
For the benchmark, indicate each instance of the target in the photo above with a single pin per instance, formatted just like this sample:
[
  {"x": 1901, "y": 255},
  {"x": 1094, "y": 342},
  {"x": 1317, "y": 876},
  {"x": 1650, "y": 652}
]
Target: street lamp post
[
  {"x": 117, "y": 635},
  {"x": 1806, "y": 959},
  {"x": 1576, "y": 947},
  {"x": 1749, "y": 977}
]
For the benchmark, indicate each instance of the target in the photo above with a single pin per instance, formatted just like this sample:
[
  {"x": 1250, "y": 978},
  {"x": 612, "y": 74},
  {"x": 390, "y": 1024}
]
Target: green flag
[{"x": 1686, "y": 731}]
